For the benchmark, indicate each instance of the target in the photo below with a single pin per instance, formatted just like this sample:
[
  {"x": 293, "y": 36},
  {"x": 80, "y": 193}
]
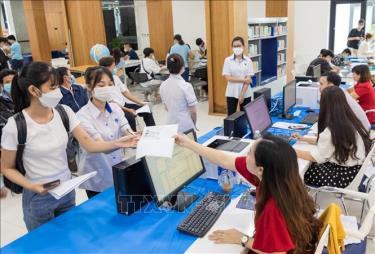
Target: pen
[{"x": 131, "y": 132}]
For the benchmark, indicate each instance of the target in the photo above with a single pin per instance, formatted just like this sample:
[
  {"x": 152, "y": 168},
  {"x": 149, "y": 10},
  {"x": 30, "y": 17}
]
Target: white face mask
[
  {"x": 103, "y": 94},
  {"x": 238, "y": 51},
  {"x": 51, "y": 99}
]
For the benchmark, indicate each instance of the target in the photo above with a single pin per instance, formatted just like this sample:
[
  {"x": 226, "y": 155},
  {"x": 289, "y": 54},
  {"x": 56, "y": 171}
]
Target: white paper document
[
  {"x": 68, "y": 186},
  {"x": 157, "y": 141},
  {"x": 290, "y": 126},
  {"x": 144, "y": 109}
]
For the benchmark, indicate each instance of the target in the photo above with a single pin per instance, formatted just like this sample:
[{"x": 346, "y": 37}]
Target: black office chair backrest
[
  {"x": 201, "y": 73},
  {"x": 139, "y": 77}
]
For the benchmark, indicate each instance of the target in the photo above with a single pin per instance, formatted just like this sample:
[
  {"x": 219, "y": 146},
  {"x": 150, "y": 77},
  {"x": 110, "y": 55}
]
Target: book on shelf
[
  {"x": 281, "y": 71},
  {"x": 255, "y": 66},
  {"x": 280, "y": 58},
  {"x": 253, "y": 49},
  {"x": 280, "y": 44}
]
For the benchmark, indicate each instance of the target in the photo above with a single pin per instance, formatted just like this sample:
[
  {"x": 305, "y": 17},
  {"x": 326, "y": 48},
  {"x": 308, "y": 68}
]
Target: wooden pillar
[
  {"x": 285, "y": 8},
  {"x": 37, "y": 29},
  {"x": 224, "y": 21},
  {"x": 160, "y": 26},
  {"x": 85, "y": 29}
]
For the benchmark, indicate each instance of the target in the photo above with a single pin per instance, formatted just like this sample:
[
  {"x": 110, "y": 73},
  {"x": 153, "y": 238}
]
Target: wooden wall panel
[
  {"x": 37, "y": 30},
  {"x": 85, "y": 27},
  {"x": 56, "y": 23},
  {"x": 224, "y": 20},
  {"x": 160, "y": 26},
  {"x": 276, "y": 8}
]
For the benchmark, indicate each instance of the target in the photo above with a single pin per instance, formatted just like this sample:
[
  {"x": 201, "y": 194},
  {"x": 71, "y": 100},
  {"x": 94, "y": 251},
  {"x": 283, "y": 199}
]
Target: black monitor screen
[
  {"x": 257, "y": 114},
  {"x": 289, "y": 92}
]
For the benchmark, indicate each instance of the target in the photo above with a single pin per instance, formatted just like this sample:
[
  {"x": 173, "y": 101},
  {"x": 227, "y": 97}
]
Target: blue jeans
[
  {"x": 39, "y": 209},
  {"x": 185, "y": 75},
  {"x": 16, "y": 64}
]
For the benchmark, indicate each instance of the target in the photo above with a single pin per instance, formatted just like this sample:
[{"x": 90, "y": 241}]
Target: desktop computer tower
[
  {"x": 267, "y": 95},
  {"x": 235, "y": 125},
  {"x": 132, "y": 186}
]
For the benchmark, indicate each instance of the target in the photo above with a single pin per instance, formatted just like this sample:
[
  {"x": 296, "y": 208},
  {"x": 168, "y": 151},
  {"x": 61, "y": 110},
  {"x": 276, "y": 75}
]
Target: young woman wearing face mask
[
  {"x": 44, "y": 158},
  {"x": 152, "y": 68},
  {"x": 237, "y": 70},
  {"x": 178, "y": 96},
  {"x": 103, "y": 121},
  {"x": 284, "y": 212}
]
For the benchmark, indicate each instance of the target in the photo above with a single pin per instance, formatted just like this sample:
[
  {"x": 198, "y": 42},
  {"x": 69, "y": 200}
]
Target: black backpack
[
  {"x": 22, "y": 135},
  {"x": 6, "y": 111}
]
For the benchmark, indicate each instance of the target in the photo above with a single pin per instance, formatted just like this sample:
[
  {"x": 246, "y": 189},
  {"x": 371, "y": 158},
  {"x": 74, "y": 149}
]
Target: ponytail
[
  {"x": 35, "y": 73},
  {"x": 178, "y": 38}
]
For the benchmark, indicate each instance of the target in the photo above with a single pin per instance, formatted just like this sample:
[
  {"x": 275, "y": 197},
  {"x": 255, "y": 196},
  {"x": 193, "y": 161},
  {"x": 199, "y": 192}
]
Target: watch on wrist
[{"x": 244, "y": 240}]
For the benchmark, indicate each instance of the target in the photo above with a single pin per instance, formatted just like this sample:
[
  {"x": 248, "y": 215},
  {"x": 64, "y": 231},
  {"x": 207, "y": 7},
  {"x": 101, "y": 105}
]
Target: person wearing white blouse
[
  {"x": 341, "y": 146},
  {"x": 151, "y": 68},
  {"x": 103, "y": 121},
  {"x": 35, "y": 95}
]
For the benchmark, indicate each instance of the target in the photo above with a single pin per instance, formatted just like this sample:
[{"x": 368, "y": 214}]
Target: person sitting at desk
[
  {"x": 102, "y": 121},
  {"x": 333, "y": 79},
  {"x": 341, "y": 146},
  {"x": 365, "y": 48},
  {"x": 74, "y": 96},
  {"x": 178, "y": 96},
  {"x": 151, "y": 68},
  {"x": 202, "y": 47},
  {"x": 339, "y": 59},
  {"x": 119, "y": 62},
  {"x": 324, "y": 60},
  {"x": 363, "y": 90},
  {"x": 126, "y": 100},
  {"x": 130, "y": 54},
  {"x": 44, "y": 157},
  {"x": 284, "y": 211}
]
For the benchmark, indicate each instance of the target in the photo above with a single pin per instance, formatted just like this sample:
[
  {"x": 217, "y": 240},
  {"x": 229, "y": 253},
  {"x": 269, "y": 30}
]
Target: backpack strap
[
  {"x": 64, "y": 117},
  {"x": 22, "y": 136},
  {"x": 148, "y": 73}
]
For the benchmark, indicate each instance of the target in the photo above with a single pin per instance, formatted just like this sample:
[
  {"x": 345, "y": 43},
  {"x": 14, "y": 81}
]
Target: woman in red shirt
[
  {"x": 284, "y": 212},
  {"x": 363, "y": 90}
]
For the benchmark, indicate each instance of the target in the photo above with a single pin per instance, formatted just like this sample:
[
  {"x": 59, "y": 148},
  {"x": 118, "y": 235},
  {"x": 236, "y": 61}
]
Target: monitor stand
[
  {"x": 182, "y": 200},
  {"x": 286, "y": 116}
]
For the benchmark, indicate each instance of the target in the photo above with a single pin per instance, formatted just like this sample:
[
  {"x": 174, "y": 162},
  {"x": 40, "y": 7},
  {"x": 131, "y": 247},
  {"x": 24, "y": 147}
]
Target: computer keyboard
[
  {"x": 310, "y": 118},
  {"x": 205, "y": 214}
]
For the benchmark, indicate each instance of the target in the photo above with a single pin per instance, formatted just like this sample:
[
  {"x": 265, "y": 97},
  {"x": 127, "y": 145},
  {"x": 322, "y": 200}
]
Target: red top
[
  {"x": 366, "y": 98},
  {"x": 271, "y": 232}
]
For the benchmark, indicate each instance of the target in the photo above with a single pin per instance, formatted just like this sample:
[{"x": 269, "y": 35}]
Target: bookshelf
[{"x": 267, "y": 48}]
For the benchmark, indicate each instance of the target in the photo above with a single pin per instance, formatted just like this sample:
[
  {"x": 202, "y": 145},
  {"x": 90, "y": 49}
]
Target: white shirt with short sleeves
[
  {"x": 120, "y": 88},
  {"x": 178, "y": 96},
  {"x": 240, "y": 69},
  {"x": 108, "y": 126},
  {"x": 324, "y": 150},
  {"x": 44, "y": 157}
]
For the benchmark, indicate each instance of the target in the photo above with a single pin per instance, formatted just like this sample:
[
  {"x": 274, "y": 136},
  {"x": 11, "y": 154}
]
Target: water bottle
[
  {"x": 227, "y": 180},
  {"x": 257, "y": 135}
]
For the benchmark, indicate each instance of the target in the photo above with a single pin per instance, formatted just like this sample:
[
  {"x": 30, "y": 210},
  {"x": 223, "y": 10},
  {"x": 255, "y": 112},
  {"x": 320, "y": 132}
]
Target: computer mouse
[{"x": 253, "y": 193}]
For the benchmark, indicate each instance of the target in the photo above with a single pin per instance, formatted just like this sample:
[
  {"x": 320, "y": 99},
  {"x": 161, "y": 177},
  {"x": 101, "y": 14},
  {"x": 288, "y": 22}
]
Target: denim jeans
[{"x": 39, "y": 209}]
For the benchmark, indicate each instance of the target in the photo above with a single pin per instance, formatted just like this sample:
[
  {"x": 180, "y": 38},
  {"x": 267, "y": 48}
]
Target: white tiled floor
[{"x": 12, "y": 225}]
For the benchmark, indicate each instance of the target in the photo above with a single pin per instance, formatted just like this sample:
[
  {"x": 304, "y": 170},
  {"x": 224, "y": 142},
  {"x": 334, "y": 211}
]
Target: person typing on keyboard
[{"x": 284, "y": 212}]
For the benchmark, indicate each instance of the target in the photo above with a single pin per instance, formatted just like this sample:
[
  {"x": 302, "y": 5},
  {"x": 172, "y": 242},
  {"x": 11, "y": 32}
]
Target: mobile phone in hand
[{"x": 51, "y": 185}]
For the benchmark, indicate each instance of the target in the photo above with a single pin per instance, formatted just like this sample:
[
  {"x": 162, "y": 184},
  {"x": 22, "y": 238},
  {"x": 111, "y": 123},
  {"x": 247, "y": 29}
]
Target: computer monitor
[
  {"x": 169, "y": 175},
  {"x": 289, "y": 98},
  {"x": 317, "y": 71},
  {"x": 258, "y": 116}
]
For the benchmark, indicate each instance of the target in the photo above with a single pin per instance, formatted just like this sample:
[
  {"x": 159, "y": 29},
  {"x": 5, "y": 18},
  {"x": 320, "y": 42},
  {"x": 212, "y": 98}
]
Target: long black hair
[
  {"x": 282, "y": 182},
  {"x": 61, "y": 72},
  {"x": 336, "y": 115},
  {"x": 116, "y": 53},
  {"x": 35, "y": 73},
  {"x": 178, "y": 38}
]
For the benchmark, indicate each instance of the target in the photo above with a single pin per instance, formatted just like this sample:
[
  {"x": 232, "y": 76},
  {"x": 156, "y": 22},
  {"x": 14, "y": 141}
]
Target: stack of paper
[
  {"x": 68, "y": 186},
  {"x": 157, "y": 141},
  {"x": 289, "y": 126}
]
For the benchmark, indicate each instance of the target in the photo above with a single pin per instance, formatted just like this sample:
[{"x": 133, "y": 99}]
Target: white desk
[{"x": 132, "y": 63}]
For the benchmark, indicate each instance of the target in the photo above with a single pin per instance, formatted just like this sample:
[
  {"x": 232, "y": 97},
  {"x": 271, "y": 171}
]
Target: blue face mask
[
  {"x": 72, "y": 80},
  {"x": 114, "y": 71},
  {"x": 7, "y": 87}
]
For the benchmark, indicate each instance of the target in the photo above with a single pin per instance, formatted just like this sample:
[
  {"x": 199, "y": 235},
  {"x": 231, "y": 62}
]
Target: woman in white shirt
[
  {"x": 178, "y": 96},
  {"x": 365, "y": 47},
  {"x": 237, "y": 70},
  {"x": 35, "y": 96},
  {"x": 342, "y": 143},
  {"x": 103, "y": 121},
  {"x": 151, "y": 68}
]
